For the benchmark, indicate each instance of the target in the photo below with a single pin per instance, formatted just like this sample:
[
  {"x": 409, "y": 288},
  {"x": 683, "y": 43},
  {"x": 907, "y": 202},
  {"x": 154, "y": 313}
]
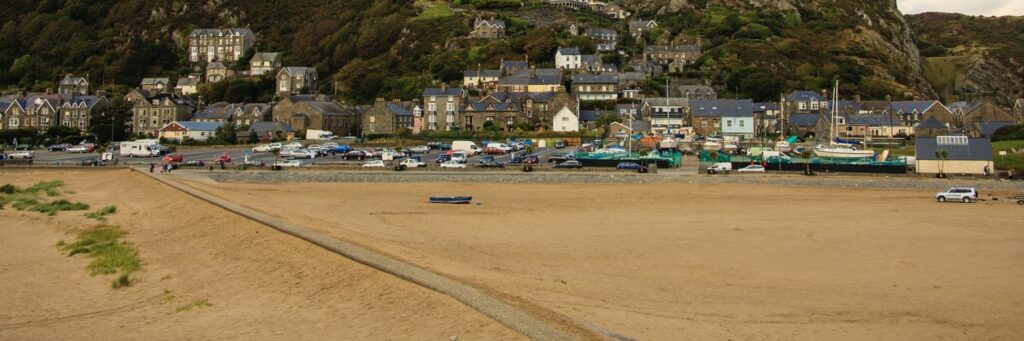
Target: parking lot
[{"x": 208, "y": 155}]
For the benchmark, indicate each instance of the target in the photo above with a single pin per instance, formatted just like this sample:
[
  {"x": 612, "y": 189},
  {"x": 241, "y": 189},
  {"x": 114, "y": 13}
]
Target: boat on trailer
[{"x": 450, "y": 200}]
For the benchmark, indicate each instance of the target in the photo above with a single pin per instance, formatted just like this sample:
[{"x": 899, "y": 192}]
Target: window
[
  {"x": 728, "y": 123},
  {"x": 510, "y": 121},
  {"x": 803, "y": 105},
  {"x": 741, "y": 123},
  {"x": 13, "y": 122},
  {"x": 814, "y": 106},
  {"x": 451, "y": 107},
  {"x": 565, "y": 119},
  {"x": 432, "y": 106}
]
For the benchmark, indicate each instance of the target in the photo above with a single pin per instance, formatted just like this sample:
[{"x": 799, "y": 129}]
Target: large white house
[{"x": 568, "y": 58}]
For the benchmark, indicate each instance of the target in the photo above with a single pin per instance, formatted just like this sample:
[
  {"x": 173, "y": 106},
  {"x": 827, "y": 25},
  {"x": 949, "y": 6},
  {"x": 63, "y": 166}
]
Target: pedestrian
[
  {"x": 152, "y": 166},
  {"x": 986, "y": 171}
]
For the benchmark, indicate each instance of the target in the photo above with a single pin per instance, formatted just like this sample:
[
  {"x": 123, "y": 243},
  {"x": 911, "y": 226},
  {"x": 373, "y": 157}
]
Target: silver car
[{"x": 962, "y": 194}]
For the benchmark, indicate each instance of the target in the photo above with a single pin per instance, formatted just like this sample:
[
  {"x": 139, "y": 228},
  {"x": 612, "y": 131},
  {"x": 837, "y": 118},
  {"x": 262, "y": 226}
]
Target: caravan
[{"x": 141, "y": 148}]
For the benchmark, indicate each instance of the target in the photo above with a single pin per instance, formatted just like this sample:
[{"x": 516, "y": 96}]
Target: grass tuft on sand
[
  {"x": 196, "y": 303},
  {"x": 109, "y": 254},
  {"x": 102, "y": 213},
  {"x": 30, "y": 198}
]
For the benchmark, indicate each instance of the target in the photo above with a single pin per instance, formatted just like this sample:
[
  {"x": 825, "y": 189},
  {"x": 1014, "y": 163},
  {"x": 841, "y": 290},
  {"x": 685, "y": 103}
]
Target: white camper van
[{"x": 140, "y": 148}]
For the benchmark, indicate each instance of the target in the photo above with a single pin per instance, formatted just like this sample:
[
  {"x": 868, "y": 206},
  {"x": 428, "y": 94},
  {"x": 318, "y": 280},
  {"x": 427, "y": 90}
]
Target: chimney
[
  {"x": 857, "y": 98},
  {"x": 380, "y": 100},
  {"x": 888, "y": 98},
  {"x": 396, "y": 100},
  {"x": 444, "y": 87},
  {"x": 48, "y": 90},
  {"x": 533, "y": 71}
]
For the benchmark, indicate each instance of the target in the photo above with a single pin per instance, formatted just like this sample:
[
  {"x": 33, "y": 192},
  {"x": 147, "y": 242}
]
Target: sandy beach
[
  {"x": 693, "y": 261},
  {"x": 259, "y": 284}
]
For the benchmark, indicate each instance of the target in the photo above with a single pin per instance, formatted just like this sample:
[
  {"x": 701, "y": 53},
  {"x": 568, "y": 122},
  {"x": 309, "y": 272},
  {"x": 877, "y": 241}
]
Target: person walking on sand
[{"x": 151, "y": 167}]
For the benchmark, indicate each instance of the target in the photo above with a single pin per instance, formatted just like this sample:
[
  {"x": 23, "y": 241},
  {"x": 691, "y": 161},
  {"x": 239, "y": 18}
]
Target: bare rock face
[{"x": 992, "y": 76}]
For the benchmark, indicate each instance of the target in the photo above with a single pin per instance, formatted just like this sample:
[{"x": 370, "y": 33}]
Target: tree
[
  {"x": 605, "y": 122},
  {"x": 941, "y": 154},
  {"x": 253, "y": 137}
]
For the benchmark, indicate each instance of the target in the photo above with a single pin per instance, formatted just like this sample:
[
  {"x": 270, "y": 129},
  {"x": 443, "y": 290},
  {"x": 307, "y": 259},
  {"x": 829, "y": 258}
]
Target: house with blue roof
[
  {"x": 914, "y": 112},
  {"x": 180, "y": 131},
  {"x": 599, "y": 87},
  {"x": 962, "y": 155},
  {"x": 730, "y": 117}
]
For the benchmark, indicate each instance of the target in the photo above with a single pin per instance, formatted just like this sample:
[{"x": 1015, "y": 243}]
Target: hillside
[
  {"x": 365, "y": 49},
  {"x": 968, "y": 55}
]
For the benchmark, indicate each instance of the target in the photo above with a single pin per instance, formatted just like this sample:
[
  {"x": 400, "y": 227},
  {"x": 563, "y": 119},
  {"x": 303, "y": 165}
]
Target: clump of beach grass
[
  {"x": 109, "y": 254},
  {"x": 194, "y": 304},
  {"x": 30, "y": 199},
  {"x": 102, "y": 213}
]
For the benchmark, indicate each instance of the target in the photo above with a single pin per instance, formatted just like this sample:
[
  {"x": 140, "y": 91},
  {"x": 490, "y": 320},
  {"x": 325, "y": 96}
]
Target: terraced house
[
  {"x": 479, "y": 113},
  {"x": 225, "y": 45},
  {"x": 157, "y": 110},
  {"x": 441, "y": 108},
  {"x": 37, "y": 112},
  {"x": 304, "y": 112},
  {"x": 77, "y": 111},
  {"x": 296, "y": 80},
  {"x": 240, "y": 114},
  {"x": 388, "y": 118}
]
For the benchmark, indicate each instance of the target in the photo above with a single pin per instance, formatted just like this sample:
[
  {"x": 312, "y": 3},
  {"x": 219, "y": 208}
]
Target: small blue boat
[{"x": 450, "y": 200}]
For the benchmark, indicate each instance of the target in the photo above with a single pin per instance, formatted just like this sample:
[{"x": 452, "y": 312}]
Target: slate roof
[
  {"x": 514, "y": 64},
  {"x": 873, "y": 120},
  {"x": 602, "y": 33},
  {"x": 427, "y": 92},
  {"x": 640, "y": 24},
  {"x": 912, "y": 106},
  {"x": 765, "y": 106},
  {"x": 595, "y": 79},
  {"x": 479, "y": 105},
  {"x": 220, "y": 31},
  {"x": 989, "y": 128},
  {"x": 215, "y": 65},
  {"x": 524, "y": 80},
  {"x": 722, "y": 108},
  {"x": 804, "y": 96},
  {"x": 540, "y": 72},
  {"x": 803, "y": 120},
  {"x": 68, "y": 80},
  {"x": 153, "y": 81},
  {"x": 974, "y": 149},
  {"x": 265, "y": 56},
  {"x": 590, "y": 59},
  {"x": 848, "y": 106},
  {"x": 291, "y": 70},
  {"x": 482, "y": 73},
  {"x": 930, "y": 123},
  {"x": 498, "y": 23},
  {"x": 632, "y": 76},
  {"x": 185, "y": 81},
  {"x": 636, "y": 125},
  {"x": 667, "y": 102},
  {"x": 569, "y": 51},
  {"x": 262, "y": 128},
  {"x": 215, "y": 111},
  {"x": 89, "y": 101},
  {"x": 400, "y": 109},
  {"x": 196, "y": 126}
]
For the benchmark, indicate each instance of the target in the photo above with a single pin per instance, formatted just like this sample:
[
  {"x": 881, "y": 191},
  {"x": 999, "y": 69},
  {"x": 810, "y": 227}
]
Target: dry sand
[
  {"x": 261, "y": 284},
  {"x": 665, "y": 262}
]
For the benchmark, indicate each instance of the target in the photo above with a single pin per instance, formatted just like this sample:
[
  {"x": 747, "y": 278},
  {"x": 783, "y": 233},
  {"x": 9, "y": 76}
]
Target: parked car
[
  {"x": 561, "y": 157},
  {"x": 192, "y": 163},
  {"x": 517, "y": 159},
  {"x": 225, "y": 158},
  {"x": 267, "y": 148},
  {"x": 303, "y": 154},
  {"x": 419, "y": 149},
  {"x": 175, "y": 157},
  {"x": 442, "y": 158},
  {"x": 288, "y": 163},
  {"x": 453, "y": 164},
  {"x": 560, "y": 144},
  {"x": 93, "y": 162},
  {"x": 490, "y": 164},
  {"x": 570, "y": 164},
  {"x": 21, "y": 154},
  {"x": 77, "y": 149},
  {"x": 374, "y": 164},
  {"x": 356, "y": 155},
  {"x": 962, "y": 194},
  {"x": 58, "y": 147},
  {"x": 413, "y": 163},
  {"x": 721, "y": 167},
  {"x": 459, "y": 156},
  {"x": 494, "y": 151},
  {"x": 293, "y": 144},
  {"x": 342, "y": 148},
  {"x": 633, "y": 166},
  {"x": 531, "y": 160},
  {"x": 751, "y": 169}
]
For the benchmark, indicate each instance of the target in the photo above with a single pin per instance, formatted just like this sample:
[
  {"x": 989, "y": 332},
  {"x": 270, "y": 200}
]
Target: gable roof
[
  {"x": 957, "y": 147},
  {"x": 672, "y": 48},
  {"x": 766, "y": 106},
  {"x": 185, "y": 81},
  {"x": 914, "y": 106},
  {"x": 640, "y": 24},
  {"x": 598, "y": 31},
  {"x": 400, "y": 109},
  {"x": 514, "y": 64},
  {"x": 595, "y": 79},
  {"x": 496, "y": 23},
  {"x": 482, "y": 73},
  {"x": 667, "y": 102},
  {"x": 987, "y": 129},
  {"x": 265, "y": 56},
  {"x": 874, "y": 120},
  {"x": 930, "y": 123},
  {"x": 803, "y": 120},
  {"x": 292, "y": 70},
  {"x": 443, "y": 92},
  {"x": 804, "y": 96},
  {"x": 154, "y": 81},
  {"x": 68, "y": 80},
  {"x": 220, "y": 32},
  {"x": 722, "y": 107},
  {"x": 270, "y": 127},
  {"x": 569, "y": 51}
]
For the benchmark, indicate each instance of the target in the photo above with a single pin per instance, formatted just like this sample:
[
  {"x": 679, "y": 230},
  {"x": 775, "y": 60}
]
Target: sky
[{"x": 973, "y": 7}]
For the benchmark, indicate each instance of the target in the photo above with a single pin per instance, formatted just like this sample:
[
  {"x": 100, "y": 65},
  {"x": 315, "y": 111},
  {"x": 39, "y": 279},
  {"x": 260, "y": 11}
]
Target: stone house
[
  {"x": 317, "y": 112},
  {"x": 264, "y": 63},
  {"x": 529, "y": 83},
  {"x": 226, "y": 45},
  {"x": 76, "y": 112},
  {"x": 157, "y": 110},
  {"x": 768, "y": 116},
  {"x": 39, "y": 112},
  {"x": 1018, "y": 111},
  {"x": 615, "y": 11},
  {"x": 387, "y": 118},
  {"x": 187, "y": 85},
  {"x": 600, "y": 87},
  {"x": 488, "y": 29},
  {"x": 539, "y": 108},
  {"x": 73, "y": 86},
  {"x": 217, "y": 71},
  {"x": 295, "y": 80},
  {"x": 968, "y": 114},
  {"x": 477, "y": 112},
  {"x": 914, "y": 112},
  {"x": 694, "y": 92},
  {"x": 602, "y": 34},
  {"x": 156, "y": 85},
  {"x": 268, "y": 131},
  {"x": 676, "y": 57},
  {"x": 512, "y": 67},
  {"x": 638, "y": 27},
  {"x": 441, "y": 108},
  {"x": 805, "y": 101}
]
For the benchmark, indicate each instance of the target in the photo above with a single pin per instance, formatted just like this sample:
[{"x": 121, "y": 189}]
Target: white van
[
  {"x": 720, "y": 167},
  {"x": 140, "y": 148},
  {"x": 504, "y": 147},
  {"x": 468, "y": 146},
  {"x": 460, "y": 157}
]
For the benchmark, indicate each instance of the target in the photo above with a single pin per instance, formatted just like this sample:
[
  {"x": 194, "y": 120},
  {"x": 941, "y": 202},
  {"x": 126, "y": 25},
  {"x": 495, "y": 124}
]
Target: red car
[
  {"x": 494, "y": 151},
  {"x": 225, "y": 158},
  {"x": 176, "y": 157}
]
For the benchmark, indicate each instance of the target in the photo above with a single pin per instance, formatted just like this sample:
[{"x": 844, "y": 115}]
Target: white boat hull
[
  {"x": 712, "y": 146},
  {"x": 843, "y": 153},
  {"x": 783, "y": 146}
]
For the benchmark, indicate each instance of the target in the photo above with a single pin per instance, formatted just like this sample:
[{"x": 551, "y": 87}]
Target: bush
[{"x": 1014, "y": 132}]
